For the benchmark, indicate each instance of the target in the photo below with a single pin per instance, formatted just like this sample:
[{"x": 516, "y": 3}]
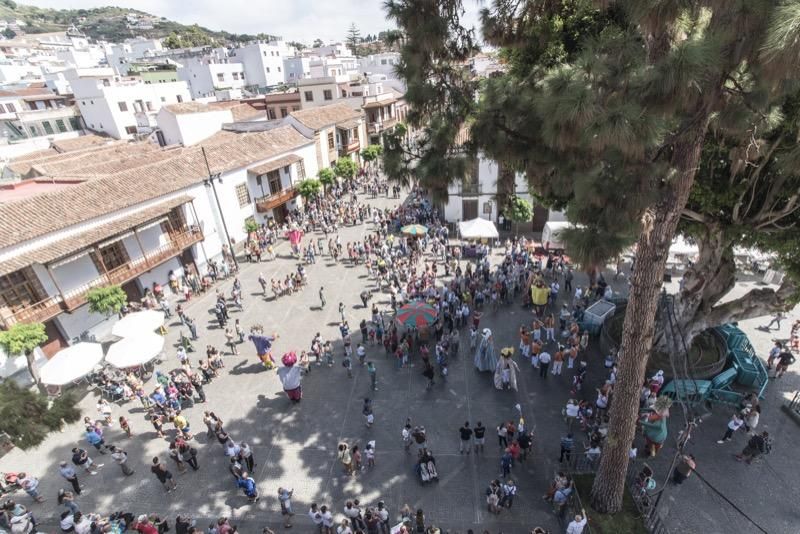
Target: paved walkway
[{"x": 295, "y": 444}]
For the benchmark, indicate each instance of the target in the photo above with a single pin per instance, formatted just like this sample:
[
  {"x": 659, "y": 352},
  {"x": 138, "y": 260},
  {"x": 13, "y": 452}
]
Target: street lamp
[{"x": 212, "y": 177}]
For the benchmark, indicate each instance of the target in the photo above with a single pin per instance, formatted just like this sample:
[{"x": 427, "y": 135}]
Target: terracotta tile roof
[
  {"x": 379, "y": 103},
  {"x": 323, "y": 116},
  {"x": 349, "y": 125},
  {"x": 23, "y": 164},
  {"x": 243, "y": 112},
  {"x": 78, "y": 143},
  {"x": 189, "y": 107},
  {"x": 275, "y": 164},
  {"x": 35, "y": 216}
]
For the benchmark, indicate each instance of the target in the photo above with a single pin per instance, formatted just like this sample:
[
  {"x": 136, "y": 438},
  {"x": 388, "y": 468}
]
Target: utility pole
[{"x": 210, "y": 181}]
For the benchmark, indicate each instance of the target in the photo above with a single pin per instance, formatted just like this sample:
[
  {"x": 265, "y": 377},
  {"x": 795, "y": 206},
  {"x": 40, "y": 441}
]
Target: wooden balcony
[
  {"x": 266, "y": 203},
  {"x": 74, "y": 298},
  {"x": 382, "y": 125},
  {"x": 352, "y": 146}
]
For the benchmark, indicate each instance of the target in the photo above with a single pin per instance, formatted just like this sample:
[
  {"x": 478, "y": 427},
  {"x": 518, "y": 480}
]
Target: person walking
[
  {"x": 121, "y": 458},
  {"x": 164, "y": 475},
  {"x": 509, "y": 491},
  {"x": 285, "y": 500},
  {"x": 341, "y": 311},
  {"x": 373, "y": 375},
  {"x": 756, "y": 446},
  {"x": 684, "y": 468},
  {"x": 466, "y": 438},
  {"x": 246, "y": 454},
  {"x": 69, "y": 474},
  {"x": 734, "y": 424},
  {"x": 567, "y": 444},
  {"x": 321, "y": 298},
  {"x": 480, "y": 437},
  {"x": 544, "y": 363},
  {"x": 505, "y": 463},
  {"x": 780, "y": 316},
  {"x": 248, "y": 485}
]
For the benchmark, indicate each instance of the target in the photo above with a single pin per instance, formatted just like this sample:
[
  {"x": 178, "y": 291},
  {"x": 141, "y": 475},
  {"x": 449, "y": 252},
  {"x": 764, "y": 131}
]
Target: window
[
  {"x": 242, "y": 75},
  {"x": 235, "y": 75},
  {"x": 265, "y": 53},
  {"x": 220, "y": 76},
  {"x": 271, "y": 113},
  {"x": 60, "y": 125},
  {"x": 149, "y": 105},
  {"x": 274, "y": 179},
  {"x": 284, "y": 112},
  {"x": 295, "y": 108},
  {"x": 301, "y": 170},
  {"x": 242, "y": 195},
  {"x": 130, "y": 130},
  {"x": 16, "y": 291},
  {"x": 179, "y": 98},
  {"x": 327, "y": 94},
  {"x": 267, "y": 69},
  {"x": 48, "y": 128},
  {"x": 123, "y": 106},
  {"x": 34, "y": 131},
  {"x": 91, "y": 102},
  {"x": 331, "y": 142},
  {"x": 309, "y": 96},
  {"x": 279, "y": 69},
  {"x": 2, "y": 109},
  {"x": 383, "y": 62},
  {"x": 163, "y": 99},
  {"x": 114, "y": 255},
  {"x": 355, "y": 134},
  {"x": 344, "y": 93}
]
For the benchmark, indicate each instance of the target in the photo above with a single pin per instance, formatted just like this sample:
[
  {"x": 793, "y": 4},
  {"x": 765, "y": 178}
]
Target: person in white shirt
[
  {"x": 576, "y": 526},
  {"x": 316, "y": 516},
  {"x": 774, "y": 353},
  {"x": 734, "y": 424},
  {"x": 327, "y": 519}
]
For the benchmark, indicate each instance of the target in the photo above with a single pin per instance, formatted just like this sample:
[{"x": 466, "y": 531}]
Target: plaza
[{"x": 295, "y": 445}]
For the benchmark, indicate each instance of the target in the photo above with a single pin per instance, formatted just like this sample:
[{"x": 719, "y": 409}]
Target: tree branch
[
  {"x": 695, "y": 216},
  {"x": 754, "y": 303}
]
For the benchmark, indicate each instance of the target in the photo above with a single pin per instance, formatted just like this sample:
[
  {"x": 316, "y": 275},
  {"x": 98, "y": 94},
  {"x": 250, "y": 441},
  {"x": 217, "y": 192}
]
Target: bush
[{"x": 25, "y": 417}]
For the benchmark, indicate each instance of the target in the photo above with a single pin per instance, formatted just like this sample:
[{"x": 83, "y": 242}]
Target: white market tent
[
  {"x": 478, "y": 229},
  {"x": 136, "y": 323},
  {"x": 135, "y": 351},
  {"x": 681, "y": 247},
  {"x": 71, "y": 363}
]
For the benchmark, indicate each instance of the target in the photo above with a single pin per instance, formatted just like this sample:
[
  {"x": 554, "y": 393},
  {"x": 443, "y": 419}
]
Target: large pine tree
[{"x": 610, "y": 107}]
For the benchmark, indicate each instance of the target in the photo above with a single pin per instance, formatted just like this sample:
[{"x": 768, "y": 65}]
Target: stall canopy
[
  {"x": 71, "y": 363},
  {"x": 135, "y": 351},
  {"x": 136, "y": 323},
  {"x": 478, "y": 229}
]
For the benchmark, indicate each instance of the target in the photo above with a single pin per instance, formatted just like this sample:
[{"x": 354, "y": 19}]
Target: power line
[{"x": 735, "y": 507}]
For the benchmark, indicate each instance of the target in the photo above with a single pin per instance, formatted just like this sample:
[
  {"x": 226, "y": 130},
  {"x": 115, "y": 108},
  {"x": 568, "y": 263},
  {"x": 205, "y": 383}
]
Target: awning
[
  {"x": 478, "y": 229},
  {"x": 379, "y": 103},
  {"x": 274, "y": 165},
  {"x": 75, "y": 244}
]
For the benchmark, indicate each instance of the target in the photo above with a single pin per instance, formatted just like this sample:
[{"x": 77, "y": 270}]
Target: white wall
[
  {"x": 191, "y": 128},
  {"x": 160, "y": 274},
  {"x": 263, "y": 62},
  {"x": 76, "y": 273},
  {"x": 296, "y": 68}
]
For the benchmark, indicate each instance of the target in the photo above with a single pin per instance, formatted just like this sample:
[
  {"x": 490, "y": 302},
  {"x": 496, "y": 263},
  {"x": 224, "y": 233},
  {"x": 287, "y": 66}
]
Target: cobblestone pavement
[{"x": 295, "y": 444}]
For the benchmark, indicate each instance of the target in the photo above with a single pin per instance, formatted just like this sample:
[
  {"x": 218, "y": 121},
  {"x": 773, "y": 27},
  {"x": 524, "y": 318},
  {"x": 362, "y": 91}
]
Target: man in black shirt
[
  {"x": 480, "y": 433},
  {"x": 466, "y": 438}
]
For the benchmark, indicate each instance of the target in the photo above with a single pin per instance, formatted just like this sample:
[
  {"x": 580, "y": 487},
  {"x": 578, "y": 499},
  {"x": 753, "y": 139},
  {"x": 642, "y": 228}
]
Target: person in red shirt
[{"x": 144, "y": 526}]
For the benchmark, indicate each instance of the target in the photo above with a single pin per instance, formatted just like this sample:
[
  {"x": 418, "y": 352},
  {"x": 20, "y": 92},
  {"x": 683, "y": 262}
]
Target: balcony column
[
  {"x": 139, "y": 242},
  {"x": 99, "y": 258},
  {"x": 197, "y": 223}
]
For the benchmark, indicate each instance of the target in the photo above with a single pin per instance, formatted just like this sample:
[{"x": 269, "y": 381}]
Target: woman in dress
[{"x": 485, "y": 358}]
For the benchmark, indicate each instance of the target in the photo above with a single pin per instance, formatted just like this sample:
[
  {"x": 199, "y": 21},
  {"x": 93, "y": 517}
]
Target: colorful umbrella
[
  {"x": 414, "y": 229},
  {"x": 416, "y": 314}
]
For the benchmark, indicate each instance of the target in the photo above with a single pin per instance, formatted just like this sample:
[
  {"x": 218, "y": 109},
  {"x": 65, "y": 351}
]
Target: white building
[
  {"x": 315, "y": 92},
  {"x": 263, "y": 62},
  {"x": 476, "y": 195},
  {"x": 207, "y": 74},
  {"x": 384, "y": 63},
  {"x": 118, "y": 55},
  {"x": 338, "y": 129},
  {"x": 125, "y": 107},
  {"x": 296, "y": 68},
  {"x": 141, "y": 213},
  {"x": 336, "y": 49}
]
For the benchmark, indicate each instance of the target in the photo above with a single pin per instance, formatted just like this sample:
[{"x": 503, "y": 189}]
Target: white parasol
[
  {"x": 71, "y": 363},
  {"x": 134, "y": 351},
  {"x": 137, "y": 323}
]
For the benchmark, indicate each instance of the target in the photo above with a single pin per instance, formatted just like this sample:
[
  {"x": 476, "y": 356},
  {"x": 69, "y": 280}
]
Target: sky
[{"x": 294, "y": 20}]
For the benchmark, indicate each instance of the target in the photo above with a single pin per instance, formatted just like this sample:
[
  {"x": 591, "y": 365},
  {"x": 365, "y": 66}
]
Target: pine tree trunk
[{"x": 658, "y": 226}]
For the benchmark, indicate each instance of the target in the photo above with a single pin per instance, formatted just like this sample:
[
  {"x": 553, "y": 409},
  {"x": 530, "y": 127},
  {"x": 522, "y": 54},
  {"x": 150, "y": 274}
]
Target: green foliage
[
  {"x": 250, "y": 226},
  {"x": 22, "y": 338},
  {"x": 345, "y": 168},
  {"x": 327, "y": 176},
  {"x": 26, "y": 417},
  {"x": 8, "y": 33},
  {"x": 353, "y": 39},
  {"x": 297, "y": 45},
  {"x": 192, "y": 36},
  {"x": 317, "y": 43},
  {"x": 309, "y": 188},
  {"x": 371, "y": 153},
  {"x": 518, "y": 210},
  {"x": 106, "y": 300}
]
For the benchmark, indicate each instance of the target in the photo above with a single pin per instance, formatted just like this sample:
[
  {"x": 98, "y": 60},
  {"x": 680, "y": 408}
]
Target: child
[
  {"x": 370, "y": 452},
  {"x": 125, "y": 426},
  {"x": 367, "y": 411}
]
